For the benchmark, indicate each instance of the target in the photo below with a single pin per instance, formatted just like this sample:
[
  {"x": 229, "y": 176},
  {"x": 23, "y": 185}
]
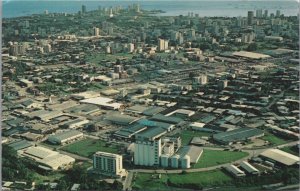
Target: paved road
[
  {"x": 128, "y": 180},
  {"x": 295, "y": 187}
]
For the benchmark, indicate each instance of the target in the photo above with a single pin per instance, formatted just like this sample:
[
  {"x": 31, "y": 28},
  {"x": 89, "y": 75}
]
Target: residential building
[{"x": 108, "y": 164}]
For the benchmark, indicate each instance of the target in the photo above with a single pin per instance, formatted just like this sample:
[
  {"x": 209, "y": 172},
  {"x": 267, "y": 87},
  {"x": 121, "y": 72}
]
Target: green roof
[
  {"x": 20, "y": 144},
  {"x": 241, "y": 134}
]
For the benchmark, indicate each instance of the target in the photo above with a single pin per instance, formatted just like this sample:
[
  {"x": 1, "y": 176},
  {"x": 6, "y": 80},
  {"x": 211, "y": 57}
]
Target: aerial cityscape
[{"x": 130, "y": 96}]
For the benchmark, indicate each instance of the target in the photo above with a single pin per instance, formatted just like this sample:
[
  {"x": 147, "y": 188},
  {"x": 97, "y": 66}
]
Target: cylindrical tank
[
  {"x": 164, "y": 159},
  {"x": 174, "y": 161},
  {"x": 186, "y": 162}
]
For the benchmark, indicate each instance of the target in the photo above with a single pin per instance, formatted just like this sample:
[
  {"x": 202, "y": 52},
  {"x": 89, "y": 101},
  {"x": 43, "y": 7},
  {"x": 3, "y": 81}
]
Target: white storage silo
[{"x": 186, "y": 162}]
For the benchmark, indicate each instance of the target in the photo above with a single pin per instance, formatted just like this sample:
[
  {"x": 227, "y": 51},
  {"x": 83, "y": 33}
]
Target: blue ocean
[{"x": 230, "y": 8}]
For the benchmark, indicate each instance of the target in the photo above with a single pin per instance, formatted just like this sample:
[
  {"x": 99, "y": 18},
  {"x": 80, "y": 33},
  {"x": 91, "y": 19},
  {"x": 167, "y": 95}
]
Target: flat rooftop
[{"x": 250, "y": 55}]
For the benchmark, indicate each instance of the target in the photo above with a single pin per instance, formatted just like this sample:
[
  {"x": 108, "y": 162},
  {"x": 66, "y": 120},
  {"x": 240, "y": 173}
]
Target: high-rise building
[
  {"x": 163, "y": 44},
  {"x": 250, "y": 17},
  {"x": 278, "y": 13},
  {"x": 111, "y": 15},
  {"x": 108, "y": 164},
  {"x": 191, "y": 34},
  {"x": 26, "y": 24},
  {"x": 259, "y": 13},
  {"x": 266, "y": 14},
  {"x": 96, "y": 31},
  {"x": 110, "y": 31},
  {"x": 147, "y": 147},
  {"x": 118, "y": 68},
  {"x": 203, "y": 79},
  {"x": 17, "y": 49},
  {"x": 83, "y": 9}
]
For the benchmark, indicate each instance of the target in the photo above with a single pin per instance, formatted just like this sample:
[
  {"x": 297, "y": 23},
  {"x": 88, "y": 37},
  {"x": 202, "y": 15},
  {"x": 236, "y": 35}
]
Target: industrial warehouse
[{"x": 48, "y": 159}]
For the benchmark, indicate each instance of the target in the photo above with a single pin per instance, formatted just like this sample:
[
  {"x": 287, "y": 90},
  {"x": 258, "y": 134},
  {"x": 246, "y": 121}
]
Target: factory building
[
  {"x": 47, "y": 159},
  {"x": 65, "y": 137}
]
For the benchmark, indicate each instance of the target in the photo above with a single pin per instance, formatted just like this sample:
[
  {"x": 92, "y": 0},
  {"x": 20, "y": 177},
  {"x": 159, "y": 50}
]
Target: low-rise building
[
  {"x": 235, "y": 171},
  {"x": 47, "y": 159},
  {"x": 65, "y": 137}
]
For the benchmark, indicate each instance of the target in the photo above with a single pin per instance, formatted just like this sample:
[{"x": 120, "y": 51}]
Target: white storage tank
[
  {"x": 164, "y": 160},
  {"x": 186, "y": 162},
  {"x": 174, "y": 161}
]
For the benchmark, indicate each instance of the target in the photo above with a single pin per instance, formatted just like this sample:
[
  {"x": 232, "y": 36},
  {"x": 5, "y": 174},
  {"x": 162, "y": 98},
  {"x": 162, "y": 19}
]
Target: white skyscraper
[
  {"x": 147, "y": 147},
  {"x": 203, "y": 79},
  {"x": 96, "y": 31},
  {"x": 108, "y": 164},
  {"x": 163, "y": 44}
]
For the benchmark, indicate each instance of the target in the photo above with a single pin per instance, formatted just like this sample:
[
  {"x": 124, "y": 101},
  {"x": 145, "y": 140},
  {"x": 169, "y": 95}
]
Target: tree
[{"x": 252, "y": 47}]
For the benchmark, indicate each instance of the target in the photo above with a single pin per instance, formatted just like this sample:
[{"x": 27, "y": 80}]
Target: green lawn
[
  {"x": 187, "y": 135},
  {"x": 208, "y": 178},
  {"x": 145, "y": 181},
  {"x": 88, "y": 147},
  {"x": 38, "y": 178},
  {"x": 172, "y": 181},
  {"x": 292, "y": 150},
  {"x": 216, "y": 157},
  {"x": 273, "y": 139}
]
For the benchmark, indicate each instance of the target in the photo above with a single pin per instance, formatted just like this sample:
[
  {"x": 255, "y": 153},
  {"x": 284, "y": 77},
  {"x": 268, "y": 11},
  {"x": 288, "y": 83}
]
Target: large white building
[
  {"x": 163, "y": 44},
  {"x": 96, "y": 31},
  {"x": 108, "y": 164},
  {"x": 47, "y": 159},
  {"x": 147, "y": 147}
]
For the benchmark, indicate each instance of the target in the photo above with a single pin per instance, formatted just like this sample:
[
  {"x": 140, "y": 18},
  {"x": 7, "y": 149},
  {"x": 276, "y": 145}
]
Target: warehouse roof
[
  {"x": 153, "y": 110},
  {"x": 121, "y": 119},
  {"x": 248, "y": 167},
  {"x": 82, "y": 108},
  {"x": 65, "y": 135},
  {"x": 102, "y": 101},
  {"x": 55, "y": 161},
  {"x": 167, "y": 119},
  {"x": 20, "y": 144},
  {"x": 128, "y": 132},
  {"x": 281, "y": 156},
  {"x": 181, "y": 111},
  {"x": 251, "y": 55},
  {"x": 240, "y": 134},
  {"x": 137, "y": 109},
  {"x": 193, "y": 152},
  {"x": 235, "y": 170},
  {"x": 47, "y": 157},
  {"x": 151, "y": 133},
  {"x": 38, "y": 152},
  {"x": 150, "y": 123}
]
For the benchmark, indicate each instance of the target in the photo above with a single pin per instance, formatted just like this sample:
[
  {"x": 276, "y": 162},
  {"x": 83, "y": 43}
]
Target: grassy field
[
  {"x": 216, "y": 157},
  {"x": 173, "y": 181},
  {"x": 88, "y": 147},
  {"x": 273, "y": 139},
  {"x": 144, "y": 181},
  {"x": 187, "y": 135},
  {"x": 292, "y": 150},
  {"x": 38, "y": 178},
  {"x": 208, "y": 178}
]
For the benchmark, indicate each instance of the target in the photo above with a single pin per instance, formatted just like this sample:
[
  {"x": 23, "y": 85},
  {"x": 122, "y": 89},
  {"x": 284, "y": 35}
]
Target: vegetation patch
[
  {"x": 88, "y": 147},
  {"x": 216, "y": 157}
]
